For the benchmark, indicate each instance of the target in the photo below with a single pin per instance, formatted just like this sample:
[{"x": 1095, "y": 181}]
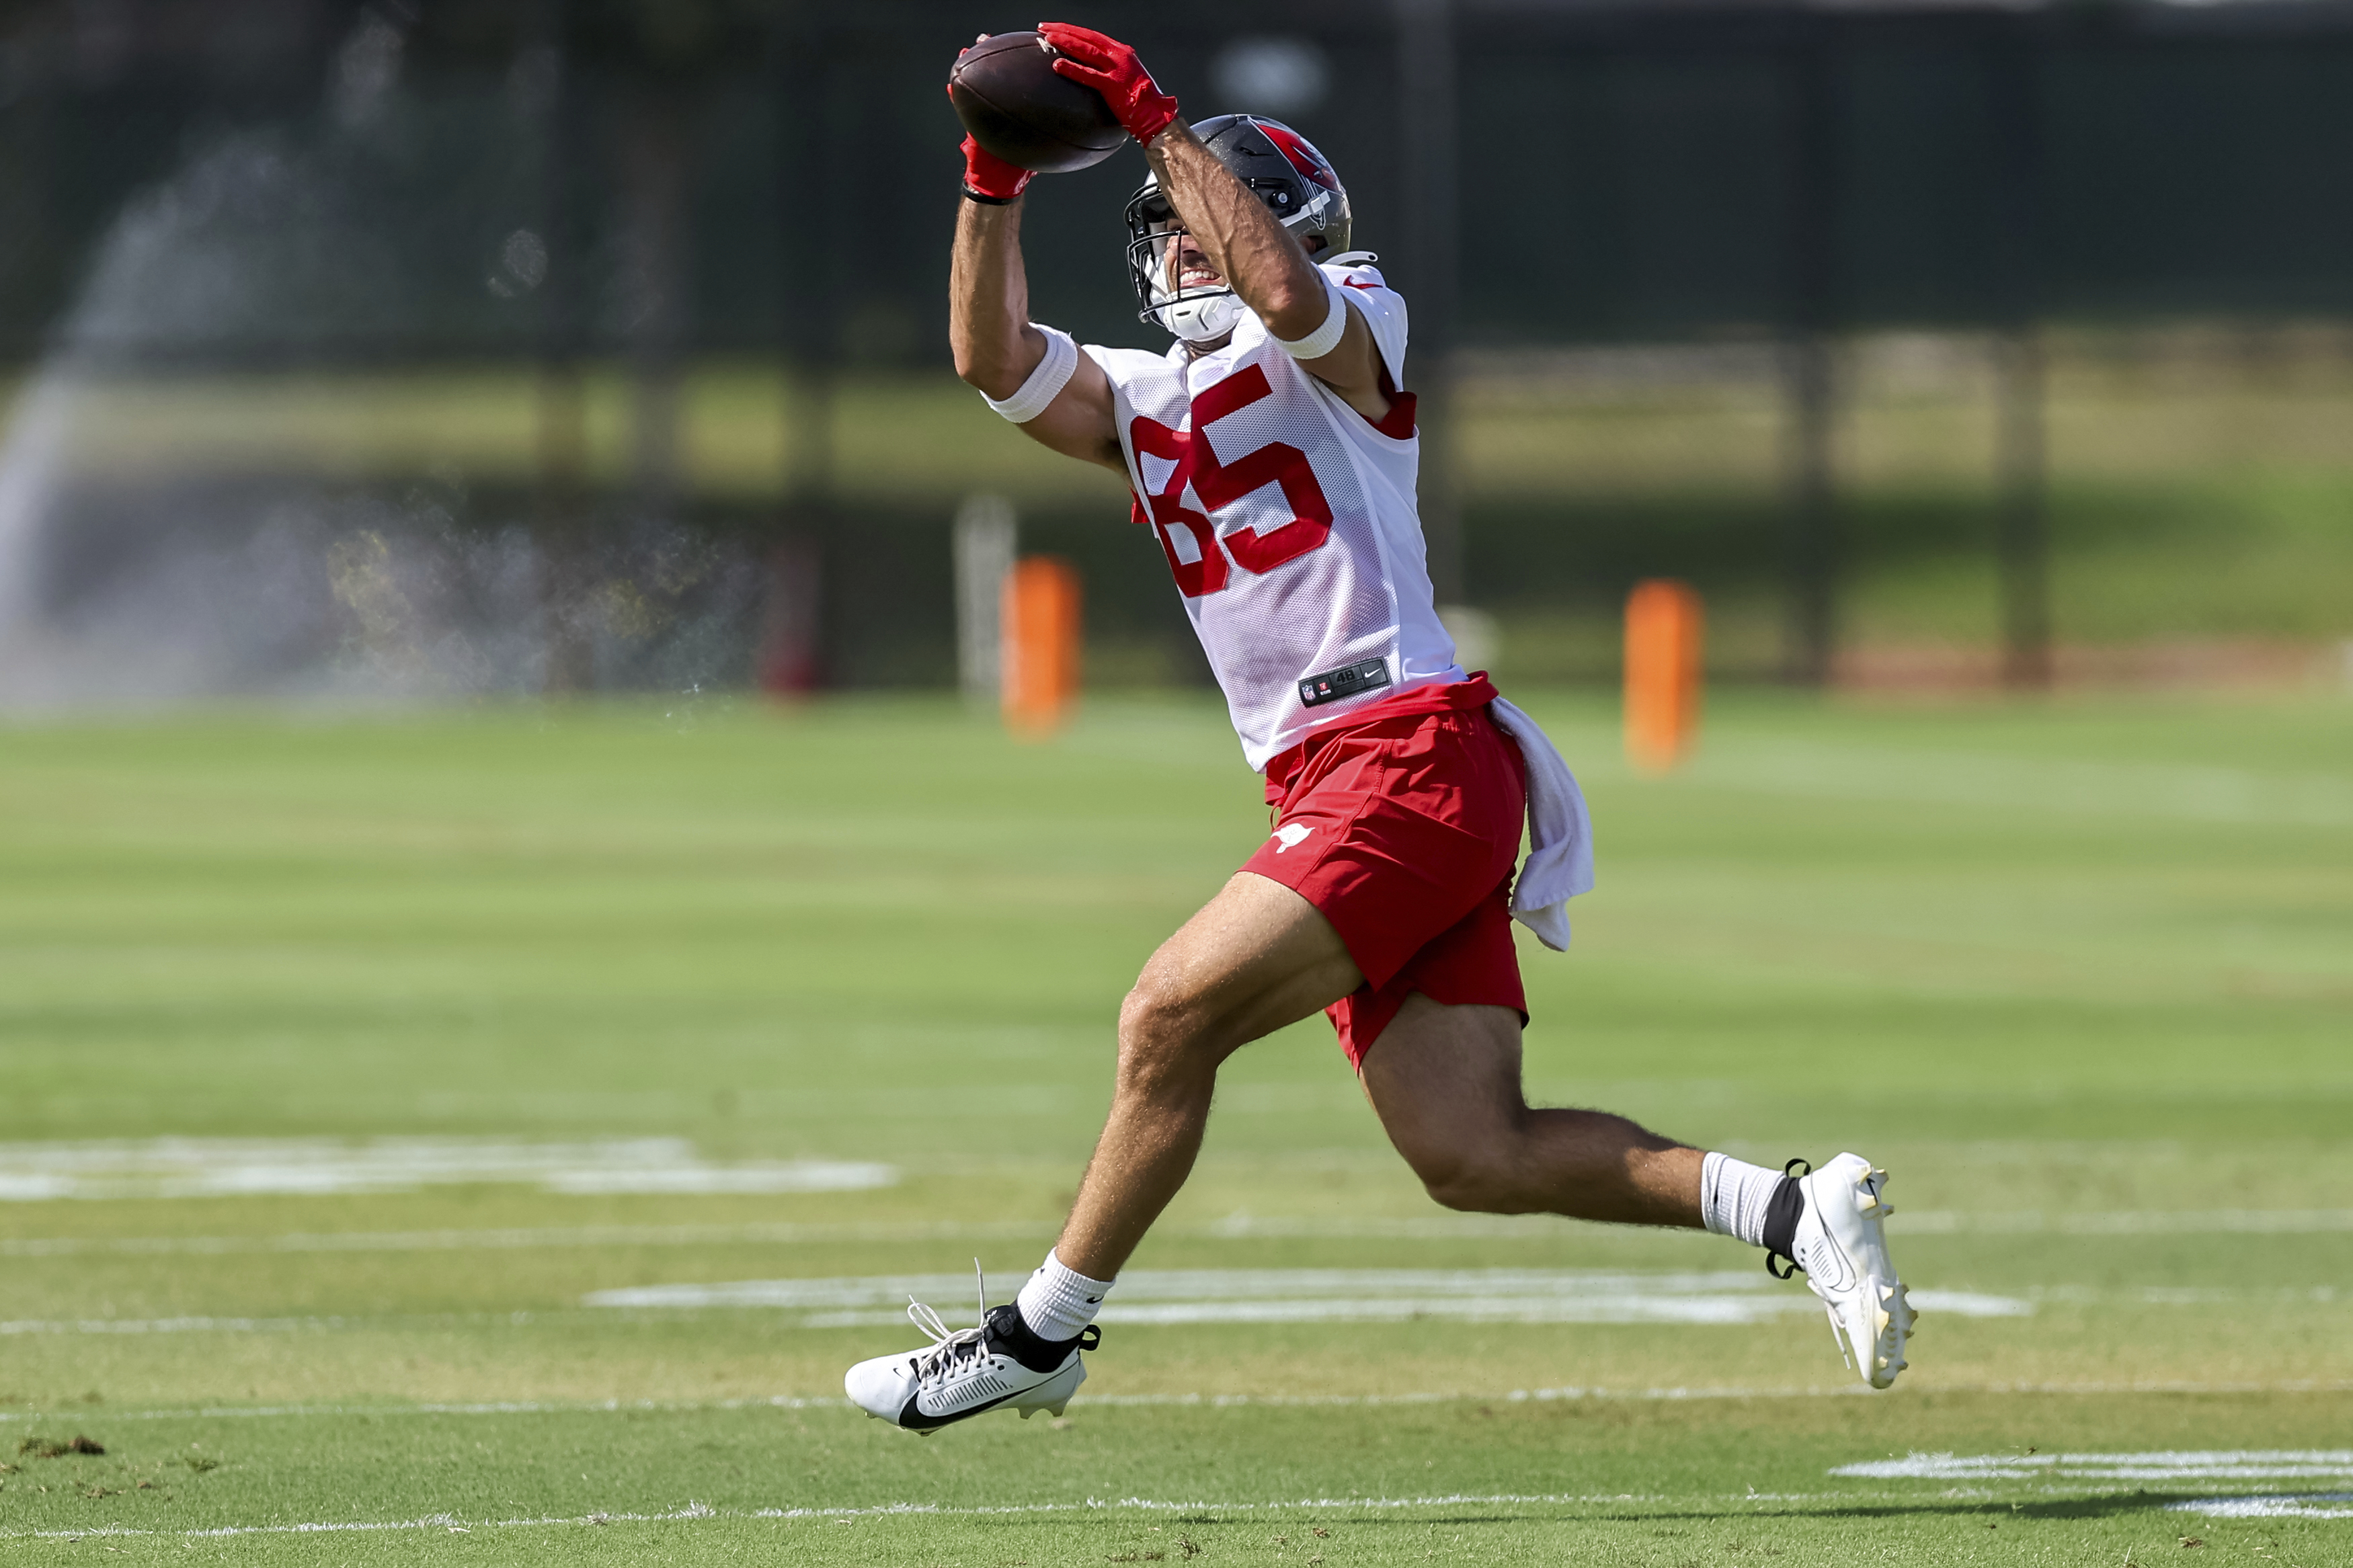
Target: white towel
[{"x": 1560, "y": 834}]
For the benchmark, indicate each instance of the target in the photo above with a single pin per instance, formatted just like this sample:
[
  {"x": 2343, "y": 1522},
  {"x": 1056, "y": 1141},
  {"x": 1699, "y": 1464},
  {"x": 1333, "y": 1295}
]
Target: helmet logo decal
[{"x": 1301, "y": 156}]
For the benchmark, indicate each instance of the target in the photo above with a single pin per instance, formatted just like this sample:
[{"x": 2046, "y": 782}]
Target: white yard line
[
  {"x": 1617, "y": 1299},
  {"x": 2174, "y": 1467},
  {"x": 1920, "y": 1222},
  {"x": 521, "y": 1240},
  {"x": 1412, "y": 1228},
  {"x": 2311, "y": 1506},
  {"x": 167, "y": 1325},
  {"x": 487, "y": 1407},
  {"x": 224, "y": 1167},
  {"x": 2161, "y": 1468},
  {"x": 1321, "y": 1294},
  {"x": 2126, "y": 1222},
  {"x": 321, "y": 1325}
]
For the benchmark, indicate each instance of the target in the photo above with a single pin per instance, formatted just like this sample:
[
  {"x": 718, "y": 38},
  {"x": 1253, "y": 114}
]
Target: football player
[{"x": 1270, "y": 451}]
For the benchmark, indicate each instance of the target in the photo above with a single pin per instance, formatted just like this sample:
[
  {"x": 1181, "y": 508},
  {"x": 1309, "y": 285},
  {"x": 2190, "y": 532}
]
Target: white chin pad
[
  {"x": 1204, "y": 318},
  {"x": 1200, "y": 321}
]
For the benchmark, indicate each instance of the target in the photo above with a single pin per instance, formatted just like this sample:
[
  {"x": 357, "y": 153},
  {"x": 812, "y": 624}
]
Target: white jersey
[{"x": 1288, "y": 520}]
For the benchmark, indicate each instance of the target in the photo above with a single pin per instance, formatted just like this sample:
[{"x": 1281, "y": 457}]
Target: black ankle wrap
[
  {"x": 1781, "y": 1214},
  {"x": 1017, "y": 1339}
]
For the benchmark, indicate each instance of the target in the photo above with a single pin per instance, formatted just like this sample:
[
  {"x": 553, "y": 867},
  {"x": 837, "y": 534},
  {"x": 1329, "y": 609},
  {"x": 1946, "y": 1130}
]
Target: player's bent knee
[
  {"x": 1476, "y": 1193},
  {"x": 1473, "y": 1185},
  {"x": 1152, "y": 1015},
  {"x": 1160, "y": 1038}
]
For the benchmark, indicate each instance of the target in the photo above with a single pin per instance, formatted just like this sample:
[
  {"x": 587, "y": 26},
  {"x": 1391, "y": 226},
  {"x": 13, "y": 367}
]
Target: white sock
[
  {"x": 1734, "y": 1196},
  {"x": 1057, "y": 1304}
]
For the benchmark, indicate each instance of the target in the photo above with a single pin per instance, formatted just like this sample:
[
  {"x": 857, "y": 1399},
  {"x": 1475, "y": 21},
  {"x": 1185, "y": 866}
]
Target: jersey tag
[{"x": 1332, "y": 685}]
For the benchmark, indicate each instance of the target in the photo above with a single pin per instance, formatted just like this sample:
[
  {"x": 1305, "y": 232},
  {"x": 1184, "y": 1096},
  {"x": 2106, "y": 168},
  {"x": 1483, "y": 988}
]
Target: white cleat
[
  {"x": 965, "y": 1374},
  {"x": 1842, "y": 1245}
]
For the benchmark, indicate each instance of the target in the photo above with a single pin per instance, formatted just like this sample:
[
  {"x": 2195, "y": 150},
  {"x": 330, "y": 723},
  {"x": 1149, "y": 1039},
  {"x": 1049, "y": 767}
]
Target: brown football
[{"x": 1005, "y": 92}]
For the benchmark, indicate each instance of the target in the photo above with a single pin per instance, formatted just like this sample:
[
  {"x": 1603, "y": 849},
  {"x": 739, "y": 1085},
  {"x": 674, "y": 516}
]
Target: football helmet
[{"x": 1278, "y": 166}]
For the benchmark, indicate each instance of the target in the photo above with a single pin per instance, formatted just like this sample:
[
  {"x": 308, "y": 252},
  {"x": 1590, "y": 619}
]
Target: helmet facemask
[{"x": 1200, "y": 314}]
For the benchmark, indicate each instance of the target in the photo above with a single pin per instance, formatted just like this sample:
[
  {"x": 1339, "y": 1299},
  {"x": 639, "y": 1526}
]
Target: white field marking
[
  {"x": 492, "y": 1407},
  {"x": 1905, "y": 1221},
  {"x": 1204, "y": 1284},
  {"x": 2146, "y": 1222},
  {"x": 2189, "y": 1295},
  {"x": 1422, "y": 1228},
  {"x": 2128, "y": 1222},
  {"x": 321, "y": 1325},
  {"x": 1631, "y": 1308},
  {"x": 518, "y": 1240},
  {"x": 2166, "y": 1466},
  {"x": 227, "y": 1167},
  {"x": 1321, "y": 1294},
  {"x": 1475, "y": 1310},
  {"x": 165, "y": 1325},
  {"x": 2308, "y": 1506}
]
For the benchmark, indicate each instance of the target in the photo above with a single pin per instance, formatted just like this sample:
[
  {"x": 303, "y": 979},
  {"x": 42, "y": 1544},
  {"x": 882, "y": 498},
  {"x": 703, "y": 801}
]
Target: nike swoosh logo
[
  {"x": 914, "y": 1418},
  {"x": 1843, "y": 1272}
]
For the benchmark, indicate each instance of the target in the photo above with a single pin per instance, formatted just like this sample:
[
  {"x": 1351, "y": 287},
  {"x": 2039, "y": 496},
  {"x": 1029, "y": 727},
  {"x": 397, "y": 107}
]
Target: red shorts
[{"x": 1402, "y": 828}]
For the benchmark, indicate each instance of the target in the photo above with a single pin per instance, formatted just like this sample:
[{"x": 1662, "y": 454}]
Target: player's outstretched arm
[
  {"x": 1247, "y": 244},
  {"x": 1265, "y": 264},
  {"x": 997, "y": 348}
]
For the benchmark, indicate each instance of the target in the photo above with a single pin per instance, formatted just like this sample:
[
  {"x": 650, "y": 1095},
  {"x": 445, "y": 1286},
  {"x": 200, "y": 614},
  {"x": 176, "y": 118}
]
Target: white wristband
[
  {"x": 1045, "y": 383},
  {"x": 1325, "y": 338}
]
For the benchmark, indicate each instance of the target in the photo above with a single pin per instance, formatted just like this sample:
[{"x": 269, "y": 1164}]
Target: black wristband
[{"x": 988, "y": 201}]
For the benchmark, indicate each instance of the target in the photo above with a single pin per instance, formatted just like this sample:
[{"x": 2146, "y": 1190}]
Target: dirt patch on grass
[{"x": 58, "y": 1447}]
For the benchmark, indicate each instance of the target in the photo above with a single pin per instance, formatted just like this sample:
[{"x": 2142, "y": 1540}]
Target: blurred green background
[{"x": 558, "y": 345}]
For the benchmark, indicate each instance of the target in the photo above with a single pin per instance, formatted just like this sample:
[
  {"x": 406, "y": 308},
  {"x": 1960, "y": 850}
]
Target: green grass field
[{"x": 458, "y": 1024}]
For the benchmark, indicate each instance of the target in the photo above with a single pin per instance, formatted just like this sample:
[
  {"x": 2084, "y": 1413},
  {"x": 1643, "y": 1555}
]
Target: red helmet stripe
[{"x": 1301, "y": 154}]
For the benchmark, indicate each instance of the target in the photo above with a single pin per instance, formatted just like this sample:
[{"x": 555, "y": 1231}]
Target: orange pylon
[
  {"x": 1665, "y": 626},
  {"x": 1040, "y": 658}
]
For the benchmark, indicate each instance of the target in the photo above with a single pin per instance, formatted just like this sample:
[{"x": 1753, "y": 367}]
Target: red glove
[
  {"x": 986, "y": 176},
  {"x": 989, "y": 177},
  {"x": 1112, "y": 68}
]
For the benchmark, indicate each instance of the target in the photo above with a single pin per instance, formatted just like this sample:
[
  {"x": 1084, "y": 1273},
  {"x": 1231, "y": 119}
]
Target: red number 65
[{"x": 1219, "y": 484}]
